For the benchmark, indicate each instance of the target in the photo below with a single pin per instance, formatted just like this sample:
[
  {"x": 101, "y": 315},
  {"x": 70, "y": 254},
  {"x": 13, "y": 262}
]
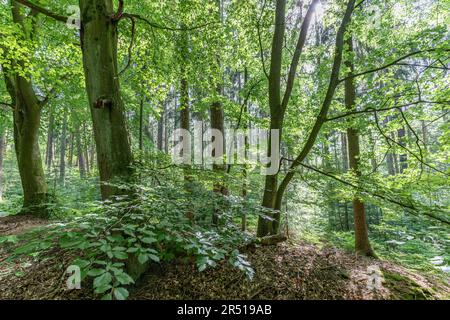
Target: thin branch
[
  {"x": 437, "y": 118},
  {"x": 421, "y": 66},
  {"x": 242, "y": 110},
  {"x": 245, "y": 102},
  {"x": 396, "y": 61},
  {"x": 359, "y": 4},
  {"x": 416, "y": 136},
  {"x": 42, "y": 10},
  {"x": 130, "y": 48},
  {"x": 405, "y": 148},
  {"x": 118, "y": 15},
  {"x": 261, "y": 51},
  {"x": 158, "y": 26},
  {"x": 377, "y": 195},
  {"x": 298, "y": 51},
  {"x": 370, "y": 109}
]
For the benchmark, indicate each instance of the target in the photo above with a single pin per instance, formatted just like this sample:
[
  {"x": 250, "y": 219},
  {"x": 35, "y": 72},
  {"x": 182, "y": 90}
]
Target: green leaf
[
  {"x": 148, "y": 240},
  {"x": 107, "y": 296},
  {"x": 103, "y": 289},
  {"x": 96, "y": 272},
  {"x": 120, "y": 255},
  {"x": 154, "y": 257},
  {"x": 124, "y": 278},
  {"x": 103, "y": 280},
  {"x": 121, "y": 293},
  {"x": 143, "y": 258}
]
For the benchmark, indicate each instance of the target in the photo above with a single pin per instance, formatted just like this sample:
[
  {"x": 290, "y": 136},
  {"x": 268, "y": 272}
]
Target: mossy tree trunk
[
  {"x": 99, "y": 48},
  {"x": 26, "y": 118}
]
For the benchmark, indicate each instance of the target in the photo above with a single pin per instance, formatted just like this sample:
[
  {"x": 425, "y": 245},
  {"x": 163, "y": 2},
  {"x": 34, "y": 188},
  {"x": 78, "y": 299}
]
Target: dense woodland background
[{"x": 359, "y": 91}]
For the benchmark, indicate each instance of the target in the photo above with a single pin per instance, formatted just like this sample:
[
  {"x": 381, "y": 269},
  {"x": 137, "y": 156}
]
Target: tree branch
[
  {"x": 298, "y": 51},
  {"x": 157, "y": 26},
  {"x": 42, "y": 10},
  {"x": 130, "y": 48},
  {"x": 389, "y": 64},
  {"x": 405, "y": 148},
  {"x": 370, "y": 109},
  {"x": 377, "y": 195}
]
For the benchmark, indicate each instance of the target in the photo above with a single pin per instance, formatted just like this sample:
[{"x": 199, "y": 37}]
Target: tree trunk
[
  {"x": 265, "y": 226},
  {"x": 141, "y": 125},
  {"x": 26, "y": 137},
  {"x": 2, "y": 155},
  {"x": 334, "y": 81},
  {"x": 403, "y": 157},
  {"x": 344, "y": 149},
  {"x": 80, "y": 153},
  {"x": 49, "y": 151},
  {"x": 246, "y": 125},
  {"x": 161, "y": 128},
  {"x": 71, "y": 149},
  {"x": 99, "y": 47},
  {"x": 26, "y": 118},
  {"x": 62, "y": 163},
  {"x": 362, "y": 244}
]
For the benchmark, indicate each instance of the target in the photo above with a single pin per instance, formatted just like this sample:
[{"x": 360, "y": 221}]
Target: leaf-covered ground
[{"x": 291, "y": 270}]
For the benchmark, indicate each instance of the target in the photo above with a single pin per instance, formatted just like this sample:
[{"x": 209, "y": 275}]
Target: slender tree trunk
[
  {"x": 62, "y": 163},
  {"x": 345, "y": 160},
  {"x": 276, "y": 114},
  {"x": 161, "y": 127},
  {"x": 85, "y": 146},
  {"x": 50, "y": 137},
  {"x": 71, "y": 149},
  {"x": 344, "y": 149},
  {"x": 246, "y": 126},
  {"x": 390, "y": 164},
  {"x": 99, "y": 47},
  {"x": 80, "y": 153},
  {"x": 141, "y": 125},
  {"x": 403, "y": 157},
  {"x": 362, "y": 244},
  {"x": 2, "y": 155},
  {"x": 217, "y": 123},
  {"x": 92, "y": 154},
  {"x": 424, "y": 134}
]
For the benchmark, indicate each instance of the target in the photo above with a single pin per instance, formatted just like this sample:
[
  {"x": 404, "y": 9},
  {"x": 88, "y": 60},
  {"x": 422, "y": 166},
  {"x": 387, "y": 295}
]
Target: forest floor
[{"x": 291, "y": 270}]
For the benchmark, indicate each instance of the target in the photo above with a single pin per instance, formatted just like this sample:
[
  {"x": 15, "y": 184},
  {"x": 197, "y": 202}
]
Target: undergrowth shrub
[{"x": 151, "y": 226}]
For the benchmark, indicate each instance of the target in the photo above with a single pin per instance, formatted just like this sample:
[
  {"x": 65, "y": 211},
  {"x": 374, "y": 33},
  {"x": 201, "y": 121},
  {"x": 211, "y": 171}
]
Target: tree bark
[
  {"x": 80, "y": 154},
  {"x": 99, "y": 48},
  {"x": 2, "y": 155},
  {"x": 62, "y": 161},
  {"x": 50, "y": 138},
  {"x": 265, "y": 226},
  {"x": 26, "y": 118},
  {"x": 362, "y": 244},
  {"x": 161, "y": 128},
  {"x": 141, "y": 124}
]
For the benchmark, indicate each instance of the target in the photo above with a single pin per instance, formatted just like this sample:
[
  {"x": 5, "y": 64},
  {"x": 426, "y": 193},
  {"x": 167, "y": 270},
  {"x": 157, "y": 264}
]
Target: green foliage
[{"x": 151, "y": 225}]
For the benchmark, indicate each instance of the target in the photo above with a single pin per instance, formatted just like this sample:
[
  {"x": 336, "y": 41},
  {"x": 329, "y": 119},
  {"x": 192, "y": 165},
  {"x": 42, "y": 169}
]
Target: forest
[{"x": 224, "y": 149}]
